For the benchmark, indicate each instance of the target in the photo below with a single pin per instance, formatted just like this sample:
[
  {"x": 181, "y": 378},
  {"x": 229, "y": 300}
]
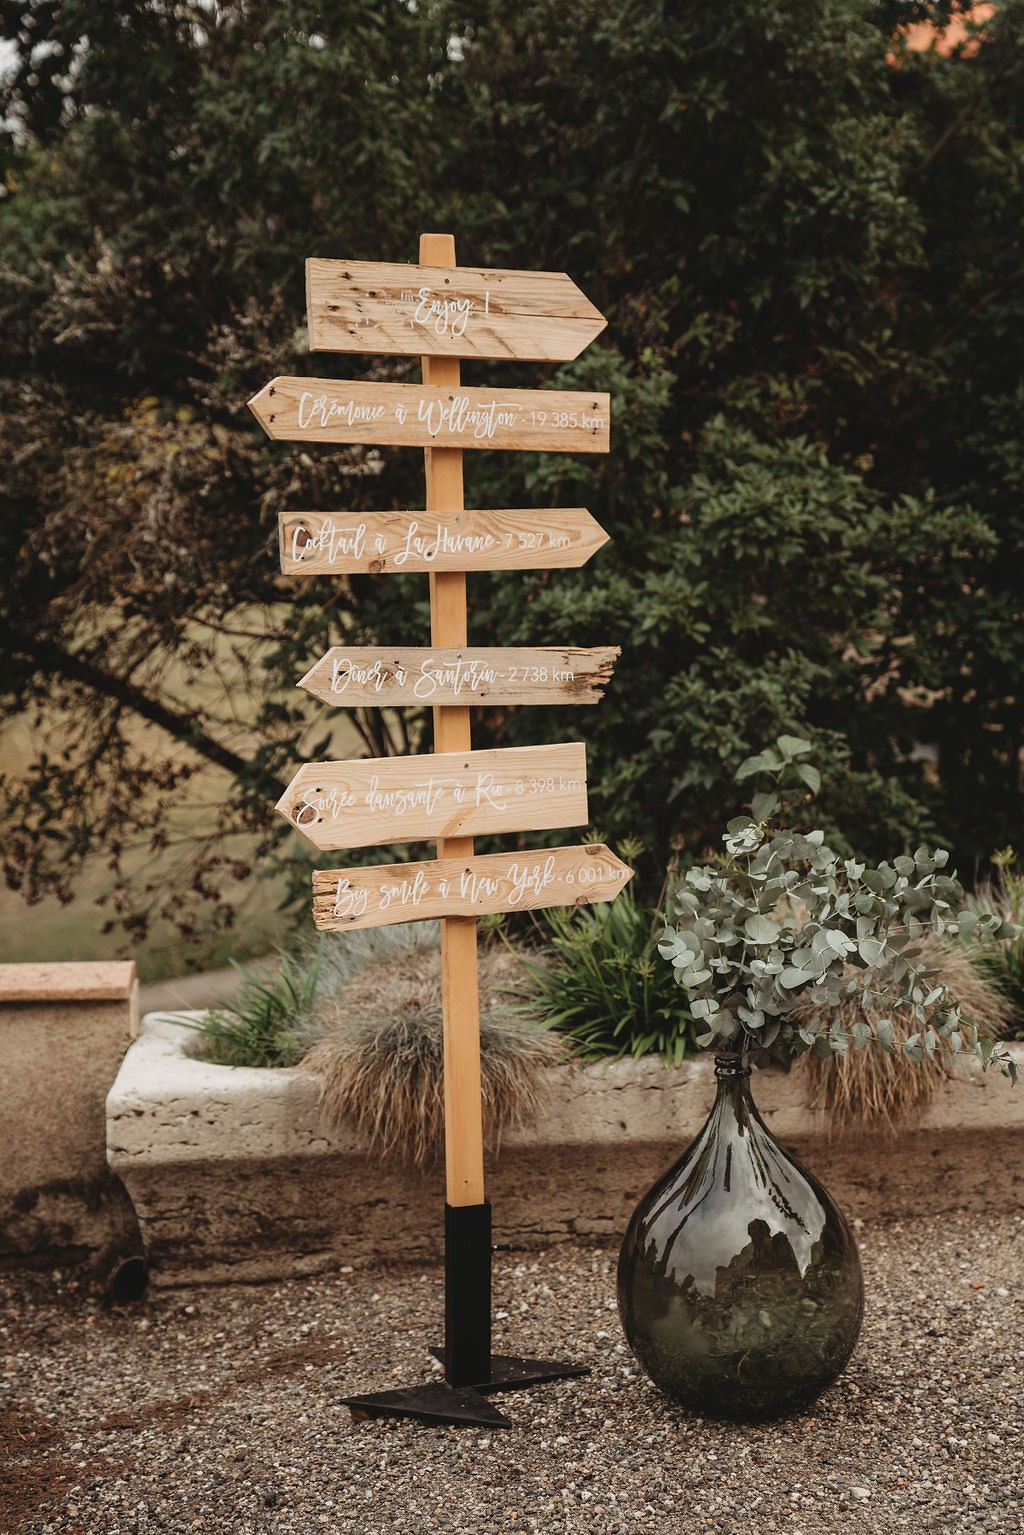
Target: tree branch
[
  {"x": 963, "y": 116},
  {"x": 49, "y": 656},
  {"x": 982, "y": 303}
]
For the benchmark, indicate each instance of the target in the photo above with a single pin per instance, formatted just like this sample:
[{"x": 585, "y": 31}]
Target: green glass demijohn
[{"x": 740, "y": 1288}]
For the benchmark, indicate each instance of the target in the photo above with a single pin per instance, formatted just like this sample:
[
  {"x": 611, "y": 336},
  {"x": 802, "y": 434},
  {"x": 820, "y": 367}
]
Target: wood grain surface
[
  {"x": 470, "y": 887},
  {"x": 358, "y": 676},
  {"x": 422, "y": 416},
  {"x": 393, "y": 309},
  {"x": 371, "y": 543},
  {"x": 375, "y": 800}
]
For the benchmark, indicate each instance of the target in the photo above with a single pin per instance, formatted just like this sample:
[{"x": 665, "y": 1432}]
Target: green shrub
[
  {"x": 269, "y": 1021},
  {"x": 600, "y": 982},
  {"x": 806, "y": 237}
]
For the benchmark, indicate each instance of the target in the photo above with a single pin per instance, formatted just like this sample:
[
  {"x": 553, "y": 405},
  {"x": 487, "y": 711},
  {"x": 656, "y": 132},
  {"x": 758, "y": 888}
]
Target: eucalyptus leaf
[
  {"x": 761, "y": 929},
  {"x": 786, "y": 923},
  {"x": 740, "y": 823},
  {"x": 885, "y": 1033},
  {"x": 839, "y": 941},
  {"x": 704, "y": 1007}
]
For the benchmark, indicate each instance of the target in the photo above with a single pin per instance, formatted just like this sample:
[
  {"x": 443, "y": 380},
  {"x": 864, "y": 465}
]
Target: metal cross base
[
  {"x": 436, "y": 1402},
  {"x": 439, "y": 1402},
  {"x": 510, "y": 1373},
  {"x": 471, "y": 1370}
]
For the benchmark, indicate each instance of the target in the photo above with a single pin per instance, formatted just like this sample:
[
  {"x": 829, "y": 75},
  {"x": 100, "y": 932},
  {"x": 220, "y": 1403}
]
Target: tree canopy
[{"x": 808, "y": 240}]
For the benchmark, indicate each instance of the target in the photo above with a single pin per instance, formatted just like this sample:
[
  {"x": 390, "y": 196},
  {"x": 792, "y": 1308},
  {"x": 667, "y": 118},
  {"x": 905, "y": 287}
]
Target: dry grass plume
[
  {"x": 872, "y": 1087},
  {"x": 381, "y": 1058}
]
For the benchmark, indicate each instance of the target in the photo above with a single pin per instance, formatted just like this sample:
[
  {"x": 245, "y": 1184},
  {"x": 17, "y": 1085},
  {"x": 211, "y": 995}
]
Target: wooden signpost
[
  {"x": 340, "y": 543},
  {"x": 376, "y": 800},
  {"x": 413, "y": 416},
  {"x": 466, "y": 887},
  {"x": 373, "y": 306},
  {"x": 442, "y": 313},
  {"x": 355, "y": 677}
]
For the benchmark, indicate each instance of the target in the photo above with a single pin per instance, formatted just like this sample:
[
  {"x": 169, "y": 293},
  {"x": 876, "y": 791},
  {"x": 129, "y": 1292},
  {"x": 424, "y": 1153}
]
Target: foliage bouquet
[{"x": 767, "y": 940}]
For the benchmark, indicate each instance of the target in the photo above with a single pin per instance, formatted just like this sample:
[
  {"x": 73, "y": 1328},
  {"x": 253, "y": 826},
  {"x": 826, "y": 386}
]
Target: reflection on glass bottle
[{"x": 740, "y": 1288}]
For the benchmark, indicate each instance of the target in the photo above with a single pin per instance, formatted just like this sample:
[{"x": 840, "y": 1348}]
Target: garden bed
[{"x": 233, "y": 1176}]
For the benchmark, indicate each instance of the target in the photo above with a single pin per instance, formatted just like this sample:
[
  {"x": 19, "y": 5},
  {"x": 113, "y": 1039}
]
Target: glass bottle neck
[
  {"x": 732, "y": 1079},
  {"x": 731, "y": 1068}
]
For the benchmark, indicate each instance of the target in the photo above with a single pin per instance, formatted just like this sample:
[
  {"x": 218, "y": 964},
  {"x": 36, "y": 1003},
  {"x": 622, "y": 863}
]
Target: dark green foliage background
[{"x": 807, "y": 240}]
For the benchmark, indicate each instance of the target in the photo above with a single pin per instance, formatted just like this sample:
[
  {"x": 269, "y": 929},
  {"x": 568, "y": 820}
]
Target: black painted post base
[
  {"x": 467, "y": 1294},
  {"x": 433, "y": 1402},
  {"x": 470, "y": 1369}
]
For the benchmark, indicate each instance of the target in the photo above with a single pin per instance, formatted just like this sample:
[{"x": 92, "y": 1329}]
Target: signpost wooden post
[{"x": 443, "y": 313}]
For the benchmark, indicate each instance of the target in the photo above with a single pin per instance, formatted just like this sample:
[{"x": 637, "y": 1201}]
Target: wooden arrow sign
[
  {"x": 346, "y": 543},
  {"x": 415, "y": 416},
  {"x": 354, "y": 677},
  {"x": 416, "y": 311},
  {"x": 466, "y": 887},
  {"x": 450, "y": 794}
]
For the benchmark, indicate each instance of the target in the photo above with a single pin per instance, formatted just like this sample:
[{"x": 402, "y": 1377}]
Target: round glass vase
[{"x": 740, "y": 1288}]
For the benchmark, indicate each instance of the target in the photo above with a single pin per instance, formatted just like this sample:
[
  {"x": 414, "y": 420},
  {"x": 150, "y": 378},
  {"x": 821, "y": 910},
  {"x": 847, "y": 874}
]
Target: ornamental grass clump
[
  {"x": 381, "y": 1058},
  {"x": 884, "y": 1086},
  {"x": 1002, "y": 963},
  {"x": 774, "y": 942}
]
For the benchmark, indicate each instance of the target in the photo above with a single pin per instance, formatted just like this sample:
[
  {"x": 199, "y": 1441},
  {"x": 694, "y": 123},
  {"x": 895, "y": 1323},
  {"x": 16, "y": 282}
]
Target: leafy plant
[
  {"x": 268, "y": 1022},
  {"x": 1001, "y": 961},
  {"x": 784, "y": 922},
  {"x": 601, "y": 984}
]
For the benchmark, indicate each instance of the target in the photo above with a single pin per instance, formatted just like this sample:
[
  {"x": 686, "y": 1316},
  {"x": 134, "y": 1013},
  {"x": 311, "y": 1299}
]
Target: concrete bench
[{"x": 64, "y": 1029}]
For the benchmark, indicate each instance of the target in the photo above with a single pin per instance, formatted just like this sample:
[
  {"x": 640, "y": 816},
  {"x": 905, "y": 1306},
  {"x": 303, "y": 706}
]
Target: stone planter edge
[{"x": 232, "y": 1175}]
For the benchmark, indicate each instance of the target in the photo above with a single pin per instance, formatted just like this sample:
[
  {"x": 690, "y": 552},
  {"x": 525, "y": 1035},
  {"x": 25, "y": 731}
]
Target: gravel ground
[{"x": 217, "y": 1409}]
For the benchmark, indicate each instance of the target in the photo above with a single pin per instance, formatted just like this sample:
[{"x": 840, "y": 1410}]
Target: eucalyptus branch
[{"x": 748, "y": 967}]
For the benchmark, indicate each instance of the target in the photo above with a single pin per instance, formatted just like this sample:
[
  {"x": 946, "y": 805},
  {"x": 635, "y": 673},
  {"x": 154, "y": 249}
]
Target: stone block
[{"x": 64, "y": 1029}]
